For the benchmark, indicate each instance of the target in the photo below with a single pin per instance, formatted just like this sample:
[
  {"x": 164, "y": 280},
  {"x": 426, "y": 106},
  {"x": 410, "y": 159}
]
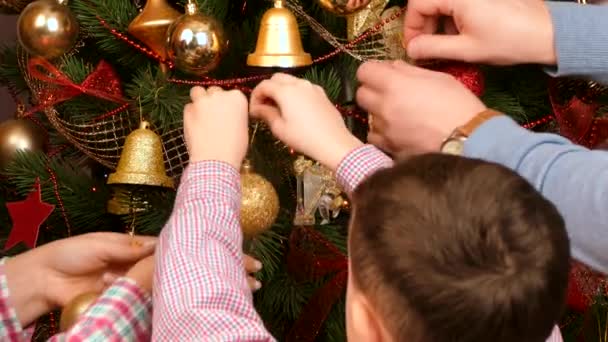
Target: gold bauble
[
  {"x": 150, "y": 26},
  {"x": 75, "y": 308},
  {"x": 259, "y": 204},
  {"x": 47, "y": 28},
  {"x": 196, "y": 42},
  {"x": 279, "y": 43},
  {"x": 16, "y": 135},
  {"x": 343, "y": 7},
  {"x": 142, "y": 160}
]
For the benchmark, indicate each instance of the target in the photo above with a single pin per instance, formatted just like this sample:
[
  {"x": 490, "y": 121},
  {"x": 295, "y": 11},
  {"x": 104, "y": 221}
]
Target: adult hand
[
  {"x": 216, "y": 125},
  {"x": 416, "y": 110},
  {"x": 50, "y": 276},
  {"x": 497, "y": 32},
  {"x": 300, "y": 114}
]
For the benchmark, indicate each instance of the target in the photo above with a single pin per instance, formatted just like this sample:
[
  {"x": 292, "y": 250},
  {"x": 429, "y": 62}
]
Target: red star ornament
[{"x": 27, "y": 216}]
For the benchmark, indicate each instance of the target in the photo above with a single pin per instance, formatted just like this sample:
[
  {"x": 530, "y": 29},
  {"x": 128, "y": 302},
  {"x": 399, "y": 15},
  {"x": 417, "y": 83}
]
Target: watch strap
[{"x": 468, "y": 128}]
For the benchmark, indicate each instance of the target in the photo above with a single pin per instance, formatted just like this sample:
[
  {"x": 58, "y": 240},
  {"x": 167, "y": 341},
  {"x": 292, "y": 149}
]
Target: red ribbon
[
  {"x": 577, "y": 118},
  {"x": 102, "y": 83},
  {"x": 310, "y": 258}
]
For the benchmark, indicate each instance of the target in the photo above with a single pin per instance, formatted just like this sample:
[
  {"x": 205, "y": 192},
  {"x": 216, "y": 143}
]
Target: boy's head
[{"x": 444, "y": 248}]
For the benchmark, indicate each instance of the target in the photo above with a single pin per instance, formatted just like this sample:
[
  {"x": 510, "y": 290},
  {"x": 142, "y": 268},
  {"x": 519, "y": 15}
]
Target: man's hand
[
  {"x": 497, "y": 32},
  {"x": 300, "y": 114},
  {"x": 414, "y": 111},
  {"x": 216, "y": 125},
  {"x": 49, "y": 276}
]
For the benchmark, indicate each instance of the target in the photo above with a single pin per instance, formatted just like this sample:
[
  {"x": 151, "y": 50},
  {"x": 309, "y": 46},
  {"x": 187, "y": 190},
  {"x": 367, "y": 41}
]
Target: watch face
[{"x": 453, "y": 146}]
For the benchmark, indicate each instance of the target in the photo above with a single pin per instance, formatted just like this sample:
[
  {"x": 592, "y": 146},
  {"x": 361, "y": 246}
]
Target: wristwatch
[{"x": 454, "y": 144}]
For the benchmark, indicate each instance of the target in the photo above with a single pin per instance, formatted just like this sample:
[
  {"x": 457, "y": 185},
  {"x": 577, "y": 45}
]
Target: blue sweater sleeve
[
  {"x": 574, "y": 178},
  {"x": 581, "y": 40}
]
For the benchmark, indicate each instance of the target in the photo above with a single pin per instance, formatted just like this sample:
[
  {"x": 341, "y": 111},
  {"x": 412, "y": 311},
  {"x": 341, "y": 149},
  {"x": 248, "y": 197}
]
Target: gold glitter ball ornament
[
  {"x": 259, "y": 204},
  {"x": 47, "y": 28},
  {"x": 141, "y": 160},
  {"x": 19, "y": 135},
  {"x": 75, "y": 308},
  {"x": 343, "y": 7},
  {"x": 196, "y": 42}
]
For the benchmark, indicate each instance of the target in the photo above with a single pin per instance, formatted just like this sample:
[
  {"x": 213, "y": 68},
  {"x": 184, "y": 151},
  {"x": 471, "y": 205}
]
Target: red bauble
[
  {"x": 468, "y": 74},
  {"x": 27, "y": 216}
]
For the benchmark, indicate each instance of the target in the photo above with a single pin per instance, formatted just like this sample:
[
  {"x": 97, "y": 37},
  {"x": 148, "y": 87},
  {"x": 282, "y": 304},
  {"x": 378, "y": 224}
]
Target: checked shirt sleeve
[
  {"x": 122, "y": 313},
  {"x": 359, "y": 164},
  {"x": 200, "y": 285},
  {"x": 10, "y": 327}
]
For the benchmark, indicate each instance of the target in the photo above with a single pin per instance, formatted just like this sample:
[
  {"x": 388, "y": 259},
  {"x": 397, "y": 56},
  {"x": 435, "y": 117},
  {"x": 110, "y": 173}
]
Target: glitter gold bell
[
  {"x": 259, "y": 204},
  {"x": 196, "y": 42},
  {"x": 151, "y": 25},
  {"x": 75, "y": 308},
  {"x": 47, "y": 28},
  {"x": 279, "y": 43},
  {"x": 343, "y": 7},
  {"x": 141, "y": 161}
]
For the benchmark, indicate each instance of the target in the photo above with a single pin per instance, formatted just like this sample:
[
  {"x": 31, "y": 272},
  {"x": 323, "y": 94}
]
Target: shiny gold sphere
[
  {"x": 19, "y": 134},
  {"x": 196, "y": 43},
  {"x": 75, "y": 308},
  {"x": 343, "y": 7},
  {"x": 47, "y": 28},
  {"x": 259, "y": 204}
]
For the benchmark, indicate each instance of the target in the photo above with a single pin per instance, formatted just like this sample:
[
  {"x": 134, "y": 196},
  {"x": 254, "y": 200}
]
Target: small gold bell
[
  {"x": 141, "y": 161},
  {"x": 75, "y": 308},
  {"x": 279, "y": 43}
]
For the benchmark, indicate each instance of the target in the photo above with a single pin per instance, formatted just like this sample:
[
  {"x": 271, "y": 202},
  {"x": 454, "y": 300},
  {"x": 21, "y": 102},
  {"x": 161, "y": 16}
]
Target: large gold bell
[
  {"x": 279, "y": 43},
  {"x": 141, "y": 161}
]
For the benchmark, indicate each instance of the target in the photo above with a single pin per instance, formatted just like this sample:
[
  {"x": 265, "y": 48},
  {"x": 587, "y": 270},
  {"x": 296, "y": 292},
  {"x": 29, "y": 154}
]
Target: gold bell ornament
[
  {"x": 150, "y": 26},
  {"x": 141, "y": 161},
  {"x": 195, "y": 42},
  {"x": 47, "y": 28},
  {"x": 75, "y": 308},
  {"x": 259, "y": 204},
  {"x": 19, "y": 134},
  {"x": 279, "y": 43}
]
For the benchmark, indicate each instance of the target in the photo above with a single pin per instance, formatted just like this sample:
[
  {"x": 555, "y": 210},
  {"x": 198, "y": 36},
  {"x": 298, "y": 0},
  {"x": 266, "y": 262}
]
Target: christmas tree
[{"x": 100, "y": 88}]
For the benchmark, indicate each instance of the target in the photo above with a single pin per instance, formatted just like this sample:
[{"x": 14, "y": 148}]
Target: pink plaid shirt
[
  {"x": 200, "y": 287},
  {"x": 122, "y": 313}
]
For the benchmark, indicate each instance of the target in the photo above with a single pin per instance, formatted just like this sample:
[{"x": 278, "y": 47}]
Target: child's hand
[
  {"x": 215, "y": 125},
  {"x": 252, "y": 266},
  {"x": 300, "y": 114}
]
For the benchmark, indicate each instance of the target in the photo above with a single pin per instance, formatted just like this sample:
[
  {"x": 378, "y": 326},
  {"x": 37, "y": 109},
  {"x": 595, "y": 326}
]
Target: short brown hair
[{"x": 457, "y": 249}]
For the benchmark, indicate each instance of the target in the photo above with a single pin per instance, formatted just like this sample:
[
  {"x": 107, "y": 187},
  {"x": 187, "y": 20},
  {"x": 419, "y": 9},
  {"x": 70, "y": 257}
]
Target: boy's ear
[{"x": 366, "y": 324}]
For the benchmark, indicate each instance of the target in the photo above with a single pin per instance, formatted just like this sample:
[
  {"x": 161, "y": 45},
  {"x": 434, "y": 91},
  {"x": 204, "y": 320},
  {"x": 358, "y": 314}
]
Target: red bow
[
  {"x": 577, "y": 119},
  {"x": 310, "y": 258},
  {"x": 102, "y": 83}
]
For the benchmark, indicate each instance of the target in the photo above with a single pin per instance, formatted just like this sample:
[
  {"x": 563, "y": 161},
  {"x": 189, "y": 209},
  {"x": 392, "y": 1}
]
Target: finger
[
  {"x": 284, "y": 78},
  {"x": 369, "y": 99},
  {"x": 377, "y": 140},
  {"x": 254, "y": 284},
  {"x": 410, "y": 69},
  {"x": 197, "y": 92},
  {"x": 124, "y": 250},
  {"x": 252, "y": 265},
  {"x": 422, "y": 17},
  {"x": 213, "y": 90},
  {"x": 375, "y": 74},
  {"x": 454, "y": 47},
  {"x": 270, "y": 115},
  {"x": 188, "y": 109},
  {"x": 108, "y": 278}
]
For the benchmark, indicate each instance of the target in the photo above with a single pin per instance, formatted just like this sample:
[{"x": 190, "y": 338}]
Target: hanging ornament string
[
  {"x": 64, "y": 214},
  {"x": 123, "y": 37}
]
